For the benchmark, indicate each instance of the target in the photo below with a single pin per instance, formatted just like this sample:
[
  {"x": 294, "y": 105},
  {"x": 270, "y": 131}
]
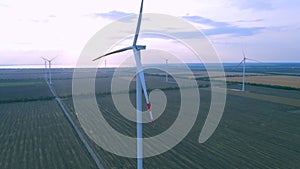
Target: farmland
[
  {"x": 19, "y": 84},
  {"x": 34, "y": 136},
  {"x": 259, "y": 128},
  {"x": 279, "y": 80},
  {"x": 246, "y": 137}
]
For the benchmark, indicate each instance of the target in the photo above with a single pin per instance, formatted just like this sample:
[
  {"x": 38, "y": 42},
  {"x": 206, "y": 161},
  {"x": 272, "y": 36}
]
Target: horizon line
[{"x": 59, "y": 66}]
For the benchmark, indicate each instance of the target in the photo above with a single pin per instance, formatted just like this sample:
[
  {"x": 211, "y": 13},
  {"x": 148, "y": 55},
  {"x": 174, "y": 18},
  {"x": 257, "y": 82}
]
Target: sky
[{"x": 267, "y": 30}]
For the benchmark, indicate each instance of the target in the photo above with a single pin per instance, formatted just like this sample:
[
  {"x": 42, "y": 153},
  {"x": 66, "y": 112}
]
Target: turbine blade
[
  {"x": 138, "y": 24},
  {"x": 238, "y": 64},
  {"x": 142, "y": 80},
  {"x": 117, "y": 51},
  {"x": 254, "y": 60},
  {"x": 244, "y": 55},
  {"x": 53, "y": 58},
  {"x": 249, "y": 58},
  {"x": 45, "y": 59}
]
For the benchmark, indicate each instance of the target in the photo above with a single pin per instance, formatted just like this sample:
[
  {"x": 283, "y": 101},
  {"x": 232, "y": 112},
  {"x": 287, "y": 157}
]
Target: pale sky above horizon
[{"x": 268, "y": 30}]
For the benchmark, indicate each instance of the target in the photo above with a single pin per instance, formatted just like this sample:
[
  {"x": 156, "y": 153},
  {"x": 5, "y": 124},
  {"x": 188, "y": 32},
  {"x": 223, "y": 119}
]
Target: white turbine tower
[
  {"x": 167, "y": 76},
  {"x": 166, "y": 68},
  {"x": 140, "y": 85},
  {"x": 244, "y": 69}
]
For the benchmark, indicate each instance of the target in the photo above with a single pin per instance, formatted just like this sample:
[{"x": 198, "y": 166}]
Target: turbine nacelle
[{"x": 140, "y": 47}]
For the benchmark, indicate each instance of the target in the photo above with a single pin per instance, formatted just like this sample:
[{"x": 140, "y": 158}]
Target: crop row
[
  {"x": 37, "y": 135},
  {"x": 263, "y": 135}
]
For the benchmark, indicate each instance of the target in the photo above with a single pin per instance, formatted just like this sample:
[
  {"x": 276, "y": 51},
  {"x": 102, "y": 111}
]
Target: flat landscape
[
  {"x": 278, "y": 80},
  {"x": 36, "y": 135},
  {"x": 259, "y": 128}
]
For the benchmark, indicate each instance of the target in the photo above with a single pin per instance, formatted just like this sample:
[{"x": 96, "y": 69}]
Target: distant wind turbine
[
  {"x": 49, "y": 69},
  {"x": 244, "y": 68},
  {"x": 45, "y": 70},
  {"x": 140, "y": 84}
]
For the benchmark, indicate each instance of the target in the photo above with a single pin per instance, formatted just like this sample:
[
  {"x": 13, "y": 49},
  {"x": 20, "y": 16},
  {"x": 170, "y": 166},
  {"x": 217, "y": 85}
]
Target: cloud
[
  {"x": 112, "y": 15},
  {"x": 250, "y": 21},
  {"x": 177, "y": 34},
  {"x": 219, "y": 28},
  {"x": 202, "y": 20},
  {"x": 235, "y": 31}
]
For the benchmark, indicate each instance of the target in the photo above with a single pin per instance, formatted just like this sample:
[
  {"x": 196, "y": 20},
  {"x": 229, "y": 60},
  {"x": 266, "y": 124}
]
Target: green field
[{"x": 254, "y": 132}]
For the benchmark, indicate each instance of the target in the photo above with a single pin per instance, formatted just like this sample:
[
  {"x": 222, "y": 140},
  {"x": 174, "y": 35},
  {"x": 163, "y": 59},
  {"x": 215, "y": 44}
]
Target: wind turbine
[
  {"x": 49, "y": 70},
  {"x": 244, "y": 68},
  {"x": 140, "y": 85},
  {"x": 45, "y": 70}
]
